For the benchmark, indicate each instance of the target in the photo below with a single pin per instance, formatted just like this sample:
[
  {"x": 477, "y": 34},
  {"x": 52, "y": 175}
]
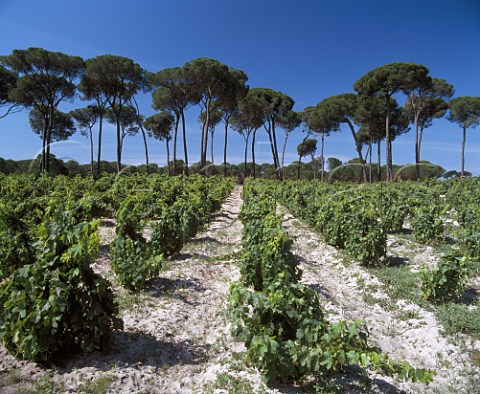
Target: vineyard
[{"x": 147, "y": 284}]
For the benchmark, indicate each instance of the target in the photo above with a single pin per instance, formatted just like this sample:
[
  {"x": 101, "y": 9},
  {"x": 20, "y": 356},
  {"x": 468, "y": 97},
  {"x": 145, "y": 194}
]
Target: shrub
[
  {"x": 58, "y": 305},
  {"x": 366, "y": 240},
  {"x": 427, "y": 224},
  {"x": 132, "y": 260},
  {"x": 447, "y": 281}
]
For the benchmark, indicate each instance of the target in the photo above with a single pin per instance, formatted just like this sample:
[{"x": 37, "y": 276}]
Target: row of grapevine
[
  {"x": 51, "y": 301},
  {"x": 172, "y": 222},
  {"x": 464, "y": 199},
  {"x": 347, "y": 219},
  {"x": 358, "y": 218},
  {"x": 280, "y": 320}
]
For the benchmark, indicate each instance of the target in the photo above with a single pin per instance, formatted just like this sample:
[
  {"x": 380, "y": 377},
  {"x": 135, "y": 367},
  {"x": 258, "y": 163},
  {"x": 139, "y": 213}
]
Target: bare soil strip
[{"x": 407, "y": 332}]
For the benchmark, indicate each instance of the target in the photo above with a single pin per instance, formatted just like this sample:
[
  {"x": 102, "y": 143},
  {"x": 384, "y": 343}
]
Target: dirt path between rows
[{"x": 414, "y": 337}]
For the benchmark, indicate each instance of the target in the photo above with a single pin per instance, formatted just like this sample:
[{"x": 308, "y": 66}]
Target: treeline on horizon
[
  {"x": 108, "y": 85},
  {"x": 336, "y": 171}
]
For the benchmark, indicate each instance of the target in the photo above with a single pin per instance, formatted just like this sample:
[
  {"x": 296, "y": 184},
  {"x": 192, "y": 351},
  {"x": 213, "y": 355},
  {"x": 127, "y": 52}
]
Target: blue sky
[{"x": 308, "y": 49}]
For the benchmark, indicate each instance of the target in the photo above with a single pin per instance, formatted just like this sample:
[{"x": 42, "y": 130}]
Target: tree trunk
[
  {"x": 284, "y": 148},
  {"x": 168, "y": 157},
  {"x": 91, "y": 150},
  {"x": 253, "y": 154},
  {"x": 369, "y": 153},
  {"x": 185, "y": 153},
  {"x": 322, "y": 158},
  {"x": 202, "y": 142},
  {"x": 49, "y": 143},
  {"x": 417, "y": 149},
  {"x": 245, "y": 159},
  {"x": 205, "y": 152},
  {"x": 275, "y": 163},
  {"x": 146, "y": 147},
  {"x": 119, "y": 147},
  {"x": 205, "y": 125},
  {"x": 139, "y": 123},
  {"x": 388, "y": 153},
  {"x": 313, "y": 168},
  {"x": 211, "y": 147},
  {"x": 298, "y": 169},
  {"x": 379, "y": 165},
  {"x": 463, "y": 149},
  {"x": 99, "y": 168},
  {"x": 391, "y": 160},
  {"x": 175, "y": 133},
  {"x": 420, "y": 143},
  {"x": 225, "y": 151},
  {"x": 44, "y": 146},
  {"x": 358, "y": 149},
  {"x": 49, "y": 139},
  {"x": 278, "y": 168}
]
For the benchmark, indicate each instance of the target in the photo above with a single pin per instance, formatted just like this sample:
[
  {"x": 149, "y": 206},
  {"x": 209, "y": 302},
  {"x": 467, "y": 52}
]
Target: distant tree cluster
[{"x": 40, "y": 81}]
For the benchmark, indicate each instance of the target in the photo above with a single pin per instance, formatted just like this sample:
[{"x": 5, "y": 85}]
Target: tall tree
[
  {"x": 274, "y": 104},
  {"x": 91, "y": 90},
  {"x": 308, "y": 148},
  {"x": 424, "y": 103},
  {"x": 8, "y": 81},
  {"x": 465, "y": 111},
  {"x": 63, "y": 126},
  {"x": 370, "y": 115},
  {"x": 215, "y": 118},
  {"x": 86, "y": 119},
  {"x": 126, "y": 119},
  {"x": 175, "y": 92},
  {"x": 318, "y": 120},
  {"x": 288, "y": 122},
  {"x": 386, "y": 81},
  {"x": 233, "y": 91},
  {"x": 139, "y": 118},
  {"x": 307, "y": 136},
  {"x": 339, "y": 109},
  {"x": 209, "y": 77},
  {"x": 160, "y": 126},
  {"x": 118, "y": 79},
  {"x": 249, "y": 118},
  {"x": 45, "y": 80}
]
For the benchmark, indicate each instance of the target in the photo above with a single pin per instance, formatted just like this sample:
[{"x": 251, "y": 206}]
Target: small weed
[
  {"x": 475, "y": 357},
  {"x": 11, "y": 378},
  {"x": 143, "y": 357},
  {"x": 360, "y": 282},
  {"x": 371, "y": 300},
  {"x": 127, "y": 301},
  {"x": 43, "y": 386},
  {"x": 408, "y": 315},
  {"x": 457, "y": 318},
  {"x": 400, "y": 283},
  {"x": 230, "y": 383},
  {"x": 393, "y": 329},
  {"x": 98, "y": 386}
]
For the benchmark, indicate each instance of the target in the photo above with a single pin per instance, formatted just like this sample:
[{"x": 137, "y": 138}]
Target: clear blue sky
[{"x": 308, "y": 49}]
